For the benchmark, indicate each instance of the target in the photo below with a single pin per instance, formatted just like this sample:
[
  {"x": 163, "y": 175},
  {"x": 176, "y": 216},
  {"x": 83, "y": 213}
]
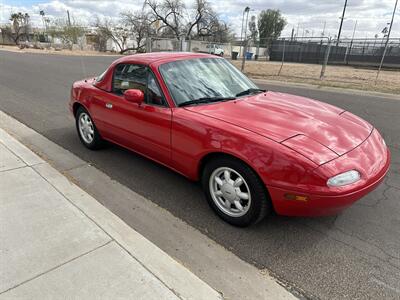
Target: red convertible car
[{"x": 254, "y": 151}]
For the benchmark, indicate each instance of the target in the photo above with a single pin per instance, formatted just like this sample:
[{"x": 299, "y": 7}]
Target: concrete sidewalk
[{"x": 56, "y": 241}]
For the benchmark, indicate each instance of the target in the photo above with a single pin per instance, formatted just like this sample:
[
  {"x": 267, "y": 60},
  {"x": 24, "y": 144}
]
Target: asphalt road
[{"x": 353, "y": 255}]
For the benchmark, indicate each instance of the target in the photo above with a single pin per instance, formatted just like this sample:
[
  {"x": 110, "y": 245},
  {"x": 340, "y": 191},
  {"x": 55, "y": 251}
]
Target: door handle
[{"x": 109, "y": 105}]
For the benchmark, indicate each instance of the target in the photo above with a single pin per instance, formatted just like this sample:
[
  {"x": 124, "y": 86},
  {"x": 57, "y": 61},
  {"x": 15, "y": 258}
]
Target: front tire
[
  {"x": 87, "y": 131},
  {"x": 235, "y": 192}
]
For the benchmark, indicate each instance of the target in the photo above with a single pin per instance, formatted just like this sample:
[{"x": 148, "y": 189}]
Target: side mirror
[{"x": 133, "y": 95}]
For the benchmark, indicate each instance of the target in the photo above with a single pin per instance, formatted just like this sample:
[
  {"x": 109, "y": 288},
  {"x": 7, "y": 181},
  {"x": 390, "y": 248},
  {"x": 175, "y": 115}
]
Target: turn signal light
[{"x": 296, "y": 197}]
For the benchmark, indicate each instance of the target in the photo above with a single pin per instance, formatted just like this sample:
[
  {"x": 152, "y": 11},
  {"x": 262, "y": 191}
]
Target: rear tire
[
  {"x": 235, "y": 192},
  {"x": 87, "y": 131}
]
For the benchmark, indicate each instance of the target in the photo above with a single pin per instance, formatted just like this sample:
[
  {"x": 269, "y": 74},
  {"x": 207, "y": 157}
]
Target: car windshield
[{"x": 200, "y": 78}]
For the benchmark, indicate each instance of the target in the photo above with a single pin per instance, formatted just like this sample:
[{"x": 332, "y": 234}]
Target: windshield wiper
[
  {"x": 206, "y": 100},
  {"x": 250, "y": 91}
]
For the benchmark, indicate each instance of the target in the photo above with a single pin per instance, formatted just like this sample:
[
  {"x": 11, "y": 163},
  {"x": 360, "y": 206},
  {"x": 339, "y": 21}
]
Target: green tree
[
  {"x": 270, "y": 25},
  {"x": 68, "y": 33},
  {"x": 20, "y": 26}
]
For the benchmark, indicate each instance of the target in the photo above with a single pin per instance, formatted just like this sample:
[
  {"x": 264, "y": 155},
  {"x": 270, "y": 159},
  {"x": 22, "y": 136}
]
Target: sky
[{"x": 307, "y": 17}]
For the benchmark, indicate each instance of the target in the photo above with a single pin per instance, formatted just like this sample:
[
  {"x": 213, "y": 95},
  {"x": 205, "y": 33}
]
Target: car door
[{"x": 145, "y": 127}]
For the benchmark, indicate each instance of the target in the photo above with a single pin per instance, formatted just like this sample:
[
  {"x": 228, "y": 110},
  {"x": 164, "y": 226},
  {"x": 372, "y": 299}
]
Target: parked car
[
  {"x": 254, "y": 151},
  {"x": 215, "y": 49}
]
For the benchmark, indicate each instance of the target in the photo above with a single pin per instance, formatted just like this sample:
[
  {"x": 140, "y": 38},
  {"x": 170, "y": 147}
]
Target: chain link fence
[
  {"x": 355, "y": 52},
  {"x": 367, "y": 53}
]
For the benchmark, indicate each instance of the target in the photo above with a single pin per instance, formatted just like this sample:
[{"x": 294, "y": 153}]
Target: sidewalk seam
[
  {"x": 27, "y": 148},
  {"x": 56, "y": 267},
  {"x": 12, "y": 169},
  {"x": 26, "y": 164},
  {"x": 112, "y": 239}
]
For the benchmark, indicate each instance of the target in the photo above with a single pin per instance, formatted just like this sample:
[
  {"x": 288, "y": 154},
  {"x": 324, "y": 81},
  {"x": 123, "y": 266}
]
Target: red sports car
[{"x": 254, "y": 151}]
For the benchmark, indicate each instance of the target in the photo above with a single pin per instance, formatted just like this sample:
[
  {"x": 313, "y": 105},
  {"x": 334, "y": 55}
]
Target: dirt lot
[{"x": 336, "y": 76}]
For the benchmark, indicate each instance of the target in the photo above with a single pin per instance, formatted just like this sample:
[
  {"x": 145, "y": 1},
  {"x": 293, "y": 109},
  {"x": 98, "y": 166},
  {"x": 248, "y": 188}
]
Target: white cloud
[{"x": 307, "y": 15}]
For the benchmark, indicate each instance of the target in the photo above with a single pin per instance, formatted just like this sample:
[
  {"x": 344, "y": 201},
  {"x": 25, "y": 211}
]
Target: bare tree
[
  {"x": 212, "y": 29},
  {"x": 170, "y": 13},
  {"x": 138, "y": 24},
  {"x": 179, "y": 20},
  {"x": 203, "y": 12},
  {"x": 107, "y": 29}
]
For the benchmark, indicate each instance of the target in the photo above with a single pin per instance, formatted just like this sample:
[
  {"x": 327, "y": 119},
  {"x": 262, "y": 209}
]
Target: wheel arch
[
  {"x": 76, "y": 106},
  {"x": 214, "y": 155}
]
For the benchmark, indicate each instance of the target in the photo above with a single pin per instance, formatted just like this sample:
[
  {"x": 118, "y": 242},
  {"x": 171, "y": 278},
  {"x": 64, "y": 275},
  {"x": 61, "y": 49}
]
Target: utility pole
[
  {"x": 387, "y": 41},
  {"x": 69, "y": 19},
  {"x": 341, "y": 23}
]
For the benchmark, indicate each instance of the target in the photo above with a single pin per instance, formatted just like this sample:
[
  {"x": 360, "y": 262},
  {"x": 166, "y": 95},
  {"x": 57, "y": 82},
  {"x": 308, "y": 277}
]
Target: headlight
[{"x": 344, "y": 178}]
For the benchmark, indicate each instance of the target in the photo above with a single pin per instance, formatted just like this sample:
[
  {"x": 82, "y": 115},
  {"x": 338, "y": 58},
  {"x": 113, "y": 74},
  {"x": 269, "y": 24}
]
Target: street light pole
[
  {"x": 247, "y": 9},
  {"x": 341, "y": 23},
  {"x": 387, "y": 41}
]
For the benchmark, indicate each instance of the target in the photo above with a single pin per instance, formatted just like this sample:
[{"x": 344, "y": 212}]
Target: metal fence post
[
  {"x": 258, "y": 49},
  {"x": 326, "y": 58},
  {"x": 381, "y": 63},
  {"x": 283, "y": 57}
]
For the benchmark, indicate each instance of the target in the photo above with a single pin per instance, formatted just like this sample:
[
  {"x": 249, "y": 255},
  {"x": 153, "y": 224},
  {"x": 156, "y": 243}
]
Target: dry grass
[{"x": 335, "y": 76}]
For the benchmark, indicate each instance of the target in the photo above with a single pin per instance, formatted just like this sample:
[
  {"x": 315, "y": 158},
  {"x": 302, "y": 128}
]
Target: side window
[
  {"x": 128, "y": 76},
  {"x": 154, "y": 95}
]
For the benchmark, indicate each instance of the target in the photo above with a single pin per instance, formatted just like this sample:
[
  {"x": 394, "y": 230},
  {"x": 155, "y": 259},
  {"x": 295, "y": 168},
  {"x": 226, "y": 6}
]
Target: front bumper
[{"x": 371, "y": 159}]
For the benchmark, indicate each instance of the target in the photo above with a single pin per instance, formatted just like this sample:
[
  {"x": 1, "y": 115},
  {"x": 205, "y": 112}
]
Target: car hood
[{"x": 280, "y": 117}]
